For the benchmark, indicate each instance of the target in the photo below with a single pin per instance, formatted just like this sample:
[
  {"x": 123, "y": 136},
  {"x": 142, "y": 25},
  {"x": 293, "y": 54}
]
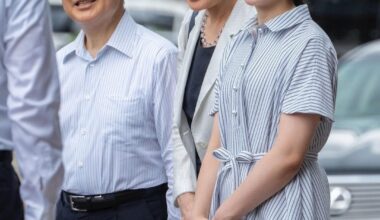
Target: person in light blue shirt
[
  {"x": 117, "y": 86},
  {"x": 29, "y": 102}
]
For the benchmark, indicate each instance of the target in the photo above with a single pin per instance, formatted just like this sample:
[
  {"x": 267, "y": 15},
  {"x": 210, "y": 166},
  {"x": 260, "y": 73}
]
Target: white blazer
[{"x": 186, "y": 140}]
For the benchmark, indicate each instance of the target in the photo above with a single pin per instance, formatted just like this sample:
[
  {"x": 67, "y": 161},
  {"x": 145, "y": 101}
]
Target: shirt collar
[
  {"x": 125, "y": 36},
  {"x": 123, "y": 39},
  {"x": 286, "y": 20}
]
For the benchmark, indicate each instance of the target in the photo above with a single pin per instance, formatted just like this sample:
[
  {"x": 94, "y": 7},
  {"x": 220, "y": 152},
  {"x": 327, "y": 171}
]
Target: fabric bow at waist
[{"x": 231, "y": 162}]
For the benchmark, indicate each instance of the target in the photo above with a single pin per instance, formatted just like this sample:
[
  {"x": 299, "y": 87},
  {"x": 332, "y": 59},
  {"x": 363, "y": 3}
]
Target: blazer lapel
[{"x": 190, "y": 49}]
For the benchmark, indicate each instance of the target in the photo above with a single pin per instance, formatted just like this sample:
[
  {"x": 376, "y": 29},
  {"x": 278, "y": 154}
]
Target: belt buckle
[{"x": 72, "y": 203}]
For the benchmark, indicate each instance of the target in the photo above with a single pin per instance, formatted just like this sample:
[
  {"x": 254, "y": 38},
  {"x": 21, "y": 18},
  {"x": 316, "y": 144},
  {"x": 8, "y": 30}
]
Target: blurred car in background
[
  {"x": 162, "y": 16},
  {"x": 349, "y": 23},
  {"x": 64, "y": 29},
  {"x": 351, "y": 156}
]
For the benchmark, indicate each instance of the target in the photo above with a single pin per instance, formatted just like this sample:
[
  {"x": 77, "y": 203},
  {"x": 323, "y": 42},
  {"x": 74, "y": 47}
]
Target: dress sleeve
[{"x": 312, "y": 86}]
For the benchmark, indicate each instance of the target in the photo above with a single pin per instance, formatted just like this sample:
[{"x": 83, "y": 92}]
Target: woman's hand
[{"x": 186, "y": 203}]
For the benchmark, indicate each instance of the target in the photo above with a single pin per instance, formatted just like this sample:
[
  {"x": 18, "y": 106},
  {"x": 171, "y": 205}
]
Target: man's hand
[{"x": 186, "y": 203}]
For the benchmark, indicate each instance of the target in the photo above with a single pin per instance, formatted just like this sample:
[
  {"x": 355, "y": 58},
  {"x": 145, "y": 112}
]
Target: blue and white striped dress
[{"x": 288, "y": 65}]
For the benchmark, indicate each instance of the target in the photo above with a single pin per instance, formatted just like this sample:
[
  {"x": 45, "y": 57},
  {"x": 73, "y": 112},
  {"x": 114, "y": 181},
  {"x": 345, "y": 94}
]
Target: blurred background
[{"x": 352, "y": 155}]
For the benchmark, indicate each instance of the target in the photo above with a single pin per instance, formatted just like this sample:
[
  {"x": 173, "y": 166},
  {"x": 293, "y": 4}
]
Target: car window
[
  {"x": 359, "y": 88},
  {"x": 160, "y": 23},
  {"x": 61, "y": 22}
]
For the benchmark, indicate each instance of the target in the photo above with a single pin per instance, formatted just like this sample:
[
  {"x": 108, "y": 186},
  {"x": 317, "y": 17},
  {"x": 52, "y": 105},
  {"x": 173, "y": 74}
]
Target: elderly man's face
[{"x": 90, "y": 12}]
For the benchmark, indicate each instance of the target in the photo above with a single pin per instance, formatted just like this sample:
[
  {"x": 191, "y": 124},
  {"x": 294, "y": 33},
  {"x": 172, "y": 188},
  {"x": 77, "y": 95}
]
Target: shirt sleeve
[
  {"x": 312, "y": 87},
  {"x": 33, "y": 105},
  {"x": 184, "y": 175},
  {"x": 165, "y": 83}
]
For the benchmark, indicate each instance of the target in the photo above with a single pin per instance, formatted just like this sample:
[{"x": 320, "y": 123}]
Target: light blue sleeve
[
  {"x": 33, "y": 104},
  {"x": 166, "y": 72},
  {"x": 312, "y": 87}
]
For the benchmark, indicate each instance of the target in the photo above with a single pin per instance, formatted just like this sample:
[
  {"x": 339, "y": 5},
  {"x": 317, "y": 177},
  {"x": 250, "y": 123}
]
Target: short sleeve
[{"x": 312, "y": 86}]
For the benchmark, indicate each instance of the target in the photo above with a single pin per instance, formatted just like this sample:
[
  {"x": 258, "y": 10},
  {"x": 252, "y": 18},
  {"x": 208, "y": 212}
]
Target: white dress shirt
[
  {"x": 29, "y": 102},
  {"x": 116, "y": 112}
]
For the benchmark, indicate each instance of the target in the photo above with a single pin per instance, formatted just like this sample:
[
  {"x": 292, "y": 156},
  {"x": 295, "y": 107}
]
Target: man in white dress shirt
[
  {"x": 29, "y": 102},
  {"x": 117, "y": 86}
]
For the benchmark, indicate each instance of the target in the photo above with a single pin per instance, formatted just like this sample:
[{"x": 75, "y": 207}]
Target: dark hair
[{"x": 298, "y": 2}]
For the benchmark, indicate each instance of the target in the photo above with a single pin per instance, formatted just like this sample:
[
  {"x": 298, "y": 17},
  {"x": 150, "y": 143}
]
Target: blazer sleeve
[{"x": 184, "y": 172}]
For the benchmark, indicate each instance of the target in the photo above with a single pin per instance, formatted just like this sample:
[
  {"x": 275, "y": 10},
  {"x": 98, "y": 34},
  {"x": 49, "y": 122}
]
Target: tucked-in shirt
[
  {"x": 116, "y": 111},
  {"x": 29, "y": 102},
  {"x": 286, "y": 66}
]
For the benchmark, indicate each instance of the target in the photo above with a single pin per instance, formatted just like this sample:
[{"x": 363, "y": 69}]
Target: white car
[
  {"x": 351, "y": 156},
  {"x": 162, "y": 16}
]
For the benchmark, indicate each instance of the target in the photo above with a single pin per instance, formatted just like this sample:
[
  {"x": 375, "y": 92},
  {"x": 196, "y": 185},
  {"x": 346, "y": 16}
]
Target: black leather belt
[
  {"x": 81, "y": 203},
  {"x": 5, "y": 156}
]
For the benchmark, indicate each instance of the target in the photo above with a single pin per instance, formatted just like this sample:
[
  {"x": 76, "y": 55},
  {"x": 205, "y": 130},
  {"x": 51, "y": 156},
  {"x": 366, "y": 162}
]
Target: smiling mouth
[{"x": 83, "y": 2}]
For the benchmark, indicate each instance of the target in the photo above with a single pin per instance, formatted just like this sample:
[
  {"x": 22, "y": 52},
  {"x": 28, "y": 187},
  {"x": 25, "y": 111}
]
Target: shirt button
[
  {"x": 235, "y": 88},
  {"x": 87, "y": 97},
  {"x": 92, "y": 65},
  {"x": 242, "y": 65},
  {"x": 83, "y": 132},
  {"x": 80, "y": 164},
  {"x": 234, "y": 113}
]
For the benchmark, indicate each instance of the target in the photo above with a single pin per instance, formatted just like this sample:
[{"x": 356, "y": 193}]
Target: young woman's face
[
  {"x": 198, "y": 5},
  {"x": 90, "y": 11}
]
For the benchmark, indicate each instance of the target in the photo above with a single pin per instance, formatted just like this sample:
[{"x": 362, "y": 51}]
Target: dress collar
[{"x": 284, "y": 21}]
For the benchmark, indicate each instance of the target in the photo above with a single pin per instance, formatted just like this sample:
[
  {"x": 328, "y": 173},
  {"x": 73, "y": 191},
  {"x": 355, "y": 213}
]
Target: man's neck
[{"x": 97, "y": 35}]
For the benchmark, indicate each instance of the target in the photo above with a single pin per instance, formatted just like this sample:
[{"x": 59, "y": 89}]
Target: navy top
[{"x": 198, "y": 69}]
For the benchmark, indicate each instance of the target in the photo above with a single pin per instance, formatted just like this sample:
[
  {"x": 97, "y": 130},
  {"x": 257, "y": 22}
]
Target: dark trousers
[
  {"x": 11, "y": 207},
  {"x": 150, "y": 208}
]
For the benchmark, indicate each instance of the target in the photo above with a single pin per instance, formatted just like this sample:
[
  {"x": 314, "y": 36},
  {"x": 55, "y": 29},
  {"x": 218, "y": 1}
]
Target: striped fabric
[
  {"x": 287, "y": 65},
  {"x": 29, "y": 103},
  {"x": 116, "y": 112}
]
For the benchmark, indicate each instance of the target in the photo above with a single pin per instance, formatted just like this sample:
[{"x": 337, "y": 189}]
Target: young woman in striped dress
[{"x": 273, "y": 114}]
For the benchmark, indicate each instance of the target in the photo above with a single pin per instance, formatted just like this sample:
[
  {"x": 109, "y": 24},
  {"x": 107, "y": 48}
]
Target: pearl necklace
[{"x": 203, "y": 35}]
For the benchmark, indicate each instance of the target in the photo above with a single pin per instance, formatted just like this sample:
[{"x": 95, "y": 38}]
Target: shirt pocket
[{"x": 123, "y": 116}]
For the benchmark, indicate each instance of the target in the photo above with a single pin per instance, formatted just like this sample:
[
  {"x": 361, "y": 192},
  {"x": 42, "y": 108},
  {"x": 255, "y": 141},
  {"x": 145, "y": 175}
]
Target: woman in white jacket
[{"x": 204, "y": 34}]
